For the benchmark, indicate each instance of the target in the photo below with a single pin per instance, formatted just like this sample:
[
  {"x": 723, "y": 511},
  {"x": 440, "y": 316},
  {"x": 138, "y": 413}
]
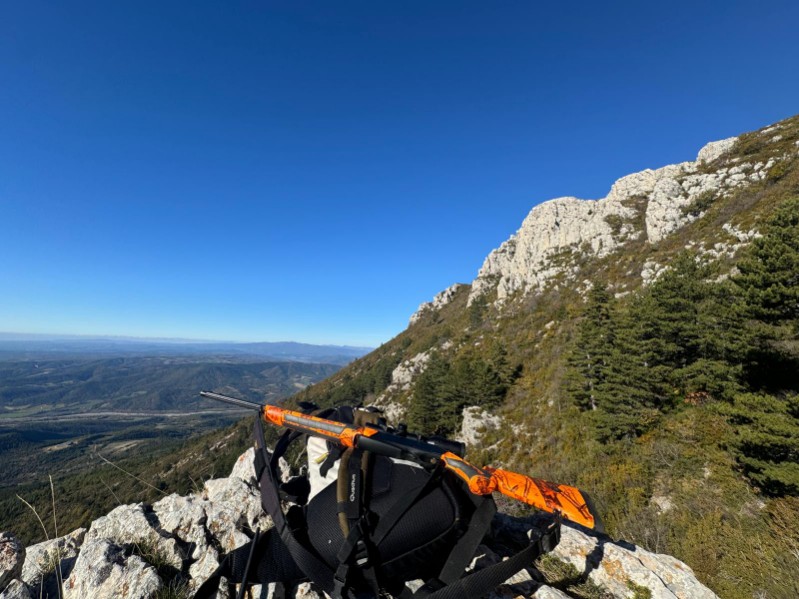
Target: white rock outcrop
[
  {"x": 404, "y": 374},
  {"x": 476, "y": 422},
  {"x": 401, "y": 379},
  {"x": 41, "y": 559},
  {"x": 439, "y": 301},
  {"x": 648, "y": 205},
  {"x": 16, "y": 589},
  {"x": 613, "y": 565},
  {"x": 104, "y": 570},
  {"x": 134, "y": 525},
  {"x": 716, "y": 149}
]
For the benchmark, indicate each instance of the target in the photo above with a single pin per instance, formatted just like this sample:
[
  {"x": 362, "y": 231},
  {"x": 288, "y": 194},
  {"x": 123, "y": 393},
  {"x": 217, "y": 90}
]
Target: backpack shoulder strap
[
  {"x": 483, "y": 581},
  {"x": 261, "y": 561},
  {"x": 307, "y": 561}
]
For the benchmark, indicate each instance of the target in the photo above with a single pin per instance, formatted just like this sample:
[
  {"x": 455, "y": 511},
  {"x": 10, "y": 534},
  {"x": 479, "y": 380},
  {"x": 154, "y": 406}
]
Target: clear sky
[{"x": 313, "y": 171}]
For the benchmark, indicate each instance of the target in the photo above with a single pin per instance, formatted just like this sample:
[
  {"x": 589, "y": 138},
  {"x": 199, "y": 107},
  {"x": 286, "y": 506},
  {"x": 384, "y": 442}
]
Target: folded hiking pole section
[{"x": 380, "y": 507}]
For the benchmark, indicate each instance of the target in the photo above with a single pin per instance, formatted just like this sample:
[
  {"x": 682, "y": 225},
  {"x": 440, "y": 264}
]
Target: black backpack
[{"x": 383, "y": 523}]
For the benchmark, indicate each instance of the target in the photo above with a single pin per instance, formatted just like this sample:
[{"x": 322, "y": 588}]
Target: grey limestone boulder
[
  {"x": 16, "y": 590},
  {"x": 105, "y": 570},
  {"x": 42, "y": 559},
  {"x": 12, "y": 556},
  {"x": 546, "y": 592},
  {"x": 613, "y": 565},
  {"x": 136, "y": 525}
]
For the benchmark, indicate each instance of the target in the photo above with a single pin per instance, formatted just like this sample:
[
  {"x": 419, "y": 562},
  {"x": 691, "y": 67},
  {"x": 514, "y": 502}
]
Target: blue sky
[{"x": 314, "y": 170}]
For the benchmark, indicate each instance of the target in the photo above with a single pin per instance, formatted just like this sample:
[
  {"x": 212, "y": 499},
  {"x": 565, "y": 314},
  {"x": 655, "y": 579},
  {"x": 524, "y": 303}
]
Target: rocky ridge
[
  {"x": 649, "y": 205},
  {"x": 439, "y": 301},
  {"x": 171, "y": 547}
]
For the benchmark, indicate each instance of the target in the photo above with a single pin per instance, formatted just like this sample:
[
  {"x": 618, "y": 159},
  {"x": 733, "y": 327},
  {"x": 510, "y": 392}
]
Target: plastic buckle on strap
[
  {"x": 340, "y": 579},
  {"x": 361, "y": 551},
  {"x": 550, "y": 539},
  {"x": 431, "y": 586}
]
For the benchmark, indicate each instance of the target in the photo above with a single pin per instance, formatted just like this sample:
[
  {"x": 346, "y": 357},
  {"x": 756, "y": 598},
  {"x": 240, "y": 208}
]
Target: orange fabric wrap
[
  {"x": 544, "y": 495},
  {"x": 552, "y": 497}
]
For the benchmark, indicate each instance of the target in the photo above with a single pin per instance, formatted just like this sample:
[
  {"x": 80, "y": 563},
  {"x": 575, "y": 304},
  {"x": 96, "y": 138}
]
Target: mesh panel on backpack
[{"x": 419, "y": 543}]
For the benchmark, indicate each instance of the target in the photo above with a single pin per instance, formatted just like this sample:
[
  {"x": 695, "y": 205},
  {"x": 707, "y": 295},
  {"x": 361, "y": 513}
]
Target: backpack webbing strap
[
  {"x": 313, "y": 567},
  {"x": 356, "y": 551},
  {"x": 268, "y": 562},
  {"x": 483, "y": 581},
  {"x": 464, "y": 549}
]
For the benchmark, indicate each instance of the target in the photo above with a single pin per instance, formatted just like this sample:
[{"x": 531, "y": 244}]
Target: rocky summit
[{"x": 169, "y": 548}]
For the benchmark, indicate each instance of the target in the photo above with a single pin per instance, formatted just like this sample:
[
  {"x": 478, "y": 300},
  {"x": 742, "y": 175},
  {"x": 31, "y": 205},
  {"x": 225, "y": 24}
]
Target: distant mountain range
[{"x": 33, "y": 346}]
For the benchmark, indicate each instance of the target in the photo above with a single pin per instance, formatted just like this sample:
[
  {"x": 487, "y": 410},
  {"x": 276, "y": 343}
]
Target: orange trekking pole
[{"x": 567, "y": 502}]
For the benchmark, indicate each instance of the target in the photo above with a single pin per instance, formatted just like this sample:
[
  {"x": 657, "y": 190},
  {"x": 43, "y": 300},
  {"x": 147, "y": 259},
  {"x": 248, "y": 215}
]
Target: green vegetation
[
  {"x": 447, "y": 386},
  {"x": 565, "y": 577},
  {"x": 766, "y": 440},
  {"x": 96, "y": 486},
  {"x": 639, "y": 592},
  {"x": 700, "y": 204},
  {"x": 682, "y": 338},
  {"x": 590, "y": 358},
  {"x": 770, "y": 272}
]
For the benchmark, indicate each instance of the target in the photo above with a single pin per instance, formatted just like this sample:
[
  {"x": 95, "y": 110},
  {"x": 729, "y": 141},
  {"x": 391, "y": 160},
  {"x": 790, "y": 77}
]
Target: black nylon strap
[
  {"x": 270, "y": 563},
  {"x": 313, "y": 567},
  {"x": 464, "y": 549},
  {"x": 353, "y": 507},
  {"x": 481, "y": 582},
  {"x": 253, "y": 544}
]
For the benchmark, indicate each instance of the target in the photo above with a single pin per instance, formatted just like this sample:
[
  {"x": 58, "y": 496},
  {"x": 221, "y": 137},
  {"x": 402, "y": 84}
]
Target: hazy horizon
[{"x": 28, "y": 336}]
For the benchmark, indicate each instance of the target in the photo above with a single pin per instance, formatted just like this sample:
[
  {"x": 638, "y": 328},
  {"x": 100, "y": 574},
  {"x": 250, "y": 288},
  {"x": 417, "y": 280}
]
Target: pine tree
[
  {"x": 429, "y": 402},
  {"x": 766, "y": 439},
  {"x": 625, "y": 396},
  {"x": 446, "y": 387},
  {"x": 769, "y": 273},
  {"x": 766, "y": 425},
  {"x": 722, "y": 345},
  {"x": 693, "y": 338},
  {"x": 498, "y": 358},
  {"x": 671, "y": 316},
  {"x": 701, "y": 341},
  {"x": 588, "y": 362}
]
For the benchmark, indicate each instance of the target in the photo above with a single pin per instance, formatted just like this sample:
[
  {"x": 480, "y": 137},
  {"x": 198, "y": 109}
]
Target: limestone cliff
[{"x": 649, "y": 205}]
